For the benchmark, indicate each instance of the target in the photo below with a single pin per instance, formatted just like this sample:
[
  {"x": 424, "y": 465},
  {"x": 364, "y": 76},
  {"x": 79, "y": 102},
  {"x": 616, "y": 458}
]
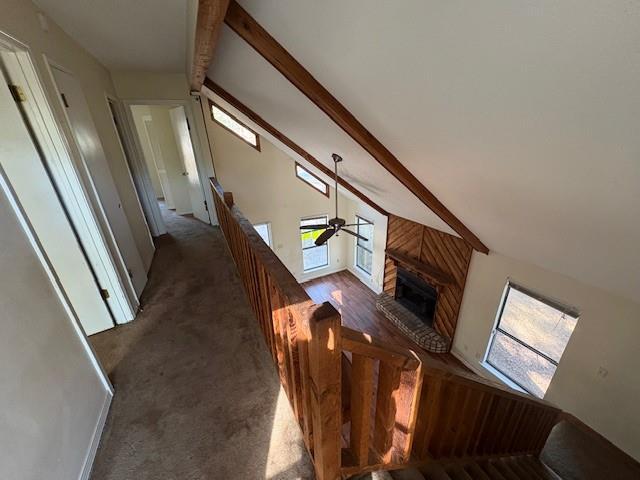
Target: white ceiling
[
  {"x": 522, "y": 117},
  {"x": 141, "y": 35}
]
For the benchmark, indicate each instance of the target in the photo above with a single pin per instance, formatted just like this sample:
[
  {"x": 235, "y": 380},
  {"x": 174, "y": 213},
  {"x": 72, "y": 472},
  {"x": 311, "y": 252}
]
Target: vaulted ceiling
[{"x": 521, "y": 117}]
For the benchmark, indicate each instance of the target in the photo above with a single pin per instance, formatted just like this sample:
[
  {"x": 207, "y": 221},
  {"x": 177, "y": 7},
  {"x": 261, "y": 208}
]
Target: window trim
[
  {"x": 295, "y": 169},
  {"x": 214, "y": 104},
  {"x": 368, "y": 222},
  {"x": 268, "y": 224},
  {"x": 302, "y": 249},
  {"x": 567, "y": 310}
]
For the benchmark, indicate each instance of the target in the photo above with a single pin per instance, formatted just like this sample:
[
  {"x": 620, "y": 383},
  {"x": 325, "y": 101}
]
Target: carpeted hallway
[{"x": 197, "y": 396}]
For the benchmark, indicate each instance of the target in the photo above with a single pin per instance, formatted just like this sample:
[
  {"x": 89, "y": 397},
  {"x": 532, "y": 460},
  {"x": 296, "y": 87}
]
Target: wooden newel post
[
  {"x": 228, "y": 199},
  {"x": 325, "y": 353}
]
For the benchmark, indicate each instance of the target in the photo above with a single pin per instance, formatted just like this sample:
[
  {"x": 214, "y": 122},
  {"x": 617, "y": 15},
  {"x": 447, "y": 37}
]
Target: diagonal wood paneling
[{"x": 446, "y": 252}]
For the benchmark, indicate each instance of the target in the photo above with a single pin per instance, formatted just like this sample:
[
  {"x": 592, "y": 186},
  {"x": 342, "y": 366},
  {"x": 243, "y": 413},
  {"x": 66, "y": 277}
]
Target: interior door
[
  {"x": 25, "y": 171},
  {"x": 185, "y": 147},
  {"x": 124, "y": 249}
]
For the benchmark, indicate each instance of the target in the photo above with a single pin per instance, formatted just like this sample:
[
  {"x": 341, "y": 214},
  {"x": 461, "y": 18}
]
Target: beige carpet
[{"x": 197, "y": 396}]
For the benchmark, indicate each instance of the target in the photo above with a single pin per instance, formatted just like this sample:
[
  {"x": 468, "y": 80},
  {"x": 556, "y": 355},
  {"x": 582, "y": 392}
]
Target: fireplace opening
[{"x": 416, "y": 295}]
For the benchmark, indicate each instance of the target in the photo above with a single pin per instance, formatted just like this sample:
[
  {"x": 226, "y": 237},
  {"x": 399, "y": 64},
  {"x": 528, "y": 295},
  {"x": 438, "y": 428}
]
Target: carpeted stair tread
[
  {"x": 491, "y": 471},
  {"x": 532, "y": 467},
  {"x": 505, "y": 470},
  {"x": 434, "y": 471},
  {"x": 476, "y": 472},
  {"x": 407, "y": 474},
  {"x": 516, "y": 465},
  {"x": 456, "y": 472},
  {"x": 378, "y": 475}
]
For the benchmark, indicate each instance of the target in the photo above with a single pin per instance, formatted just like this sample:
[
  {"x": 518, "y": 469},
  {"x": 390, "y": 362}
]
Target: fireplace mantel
[
  {"x": 430, "y": 271},
  {"x": 439, "y": 258}
]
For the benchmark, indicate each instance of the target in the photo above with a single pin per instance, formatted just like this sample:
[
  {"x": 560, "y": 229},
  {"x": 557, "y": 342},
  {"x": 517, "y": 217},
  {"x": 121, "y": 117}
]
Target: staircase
[
  {"x": 365, "y": 405},
  {"x": 523, "y": 467}
]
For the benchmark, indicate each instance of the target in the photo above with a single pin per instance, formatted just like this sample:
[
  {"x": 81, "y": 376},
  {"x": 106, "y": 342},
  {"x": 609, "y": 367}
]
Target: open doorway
[{"x": 164, "y": 134}]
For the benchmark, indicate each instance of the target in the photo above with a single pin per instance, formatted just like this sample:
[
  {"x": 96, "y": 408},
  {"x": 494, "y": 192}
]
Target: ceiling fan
[{"x": 336, "y": 224}]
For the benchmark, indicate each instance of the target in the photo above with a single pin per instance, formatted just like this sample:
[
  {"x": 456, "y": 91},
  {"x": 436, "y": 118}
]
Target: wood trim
[
  {"x": 211, "y": 14},
  {"x": 257, "y": 37},
  {"x": 433, "y": 273},
  {"x": 258, "y": 120},
  {"x": 214, "y": 104},
  {"x": 295, "y": 169}
]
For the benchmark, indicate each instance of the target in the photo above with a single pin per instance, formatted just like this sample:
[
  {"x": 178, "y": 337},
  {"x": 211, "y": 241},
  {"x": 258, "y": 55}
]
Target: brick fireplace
[{"x": 436, "y": 259}]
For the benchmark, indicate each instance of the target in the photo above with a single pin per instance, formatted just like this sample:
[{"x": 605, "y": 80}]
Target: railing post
[
  {"x": 325, "y": 376},
  {"x": 228, "y": 199}
]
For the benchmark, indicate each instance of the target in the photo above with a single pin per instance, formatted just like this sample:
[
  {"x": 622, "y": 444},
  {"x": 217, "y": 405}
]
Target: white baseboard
[
  {"x": 85, "y": 473},
  {"x": 367, "y": 280}
]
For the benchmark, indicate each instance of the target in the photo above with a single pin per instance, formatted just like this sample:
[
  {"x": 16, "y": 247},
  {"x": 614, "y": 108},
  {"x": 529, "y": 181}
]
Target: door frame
[
  {"x": 137, "y": 170},
  {"x": 195, "y": 142},
  {"x": 59, "y": 161}
]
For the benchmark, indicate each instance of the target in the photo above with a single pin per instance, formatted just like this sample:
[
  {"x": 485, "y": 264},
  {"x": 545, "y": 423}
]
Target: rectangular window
[
  {"x": 264, "y": 230},
  {"x": 364, "y": 248},
  {"x": 235, "y": 126},
  {"x": 309, "y": 178},
  {"x": 313, "y": 257},
  {"x": 530, "y": 336}
]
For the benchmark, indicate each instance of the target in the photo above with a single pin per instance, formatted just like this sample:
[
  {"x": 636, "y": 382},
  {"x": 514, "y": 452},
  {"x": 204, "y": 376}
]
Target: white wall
[
  {"x": 376, "y": 279},
  {"x": 139, "y": 112},
  {"x": 53, "y": 402},
  {"x": 19, "y": 19},
  {"x": 607, "y": 335},
  {"x": 265, "y": 188},
  {"x": 163, "y": 138},
  {"x": 140, "y": 86}
]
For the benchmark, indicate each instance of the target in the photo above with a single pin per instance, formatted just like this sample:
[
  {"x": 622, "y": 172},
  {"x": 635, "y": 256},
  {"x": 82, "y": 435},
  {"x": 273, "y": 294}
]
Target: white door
[
  {"x": 143, "y": 184},
  {"x": 156, "y": 158},
  {"x": 25, "y": 171},
  {"x": 185, "y": 148},
  {"x": 124, "y": 248}
]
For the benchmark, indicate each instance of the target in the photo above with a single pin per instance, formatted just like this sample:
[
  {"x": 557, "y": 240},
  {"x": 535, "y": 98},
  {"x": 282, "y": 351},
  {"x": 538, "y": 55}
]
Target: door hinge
[
  {"x": 104, "y": 293},
  {"x": 64, "y": 100},
  {"x": 206, "y": 207},
  {"x": 17, "y": 93}
]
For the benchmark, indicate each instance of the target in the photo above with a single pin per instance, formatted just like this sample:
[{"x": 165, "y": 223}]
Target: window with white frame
[
  {"x": 530, "y": 336},
  {"x": 264, "y": 230},
  {"x": 233, "y": 125},
  {"x": 313, "y": 256},
  {"x": 312, "y": 180},
  {"x": 364, "y": 248}
]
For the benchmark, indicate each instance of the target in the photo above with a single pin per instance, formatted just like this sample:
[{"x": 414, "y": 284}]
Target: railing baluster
[
  {"x": 421, "y": 409},
  {"x": 362, "y": 371}
]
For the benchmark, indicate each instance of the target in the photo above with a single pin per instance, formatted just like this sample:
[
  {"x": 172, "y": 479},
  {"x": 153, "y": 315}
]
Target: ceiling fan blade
[
  {"x": 355, "y": 234},
  {"x": 324, "y": 236},
  {"x": 314, "y": 227},
  {"x": 356, "y": 224}
]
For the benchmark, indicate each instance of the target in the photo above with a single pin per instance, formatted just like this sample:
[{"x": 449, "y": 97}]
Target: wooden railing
[{"x": 363, "y": 404}]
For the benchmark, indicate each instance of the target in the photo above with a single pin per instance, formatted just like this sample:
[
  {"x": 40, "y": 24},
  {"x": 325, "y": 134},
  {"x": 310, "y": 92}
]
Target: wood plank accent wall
[{"x": 446, "y": 252}]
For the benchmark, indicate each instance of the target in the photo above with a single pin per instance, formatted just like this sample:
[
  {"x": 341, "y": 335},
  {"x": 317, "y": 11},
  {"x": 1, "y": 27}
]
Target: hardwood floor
[{"x": 357, "y": 305}]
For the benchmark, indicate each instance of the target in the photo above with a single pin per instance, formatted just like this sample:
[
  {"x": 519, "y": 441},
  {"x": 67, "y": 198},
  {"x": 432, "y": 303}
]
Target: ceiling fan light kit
[{"x": 335, "y": 224}]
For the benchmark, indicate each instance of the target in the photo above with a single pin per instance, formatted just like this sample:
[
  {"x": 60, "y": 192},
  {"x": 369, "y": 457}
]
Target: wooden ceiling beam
[
  {"x": 257, "y": 37},
  {"x": 211, "y": 14},
  {"x": 262, "y": 123}
]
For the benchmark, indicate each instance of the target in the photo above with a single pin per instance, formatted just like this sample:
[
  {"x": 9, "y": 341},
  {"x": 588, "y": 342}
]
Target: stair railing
[{"x": 385, "y": 406}]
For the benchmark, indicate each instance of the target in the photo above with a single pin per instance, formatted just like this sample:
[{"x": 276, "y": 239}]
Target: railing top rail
[
  {"x": 283, "y": 278},
  {"x": 353, "y": 340},
  {"x": 454, "y": 374}
]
